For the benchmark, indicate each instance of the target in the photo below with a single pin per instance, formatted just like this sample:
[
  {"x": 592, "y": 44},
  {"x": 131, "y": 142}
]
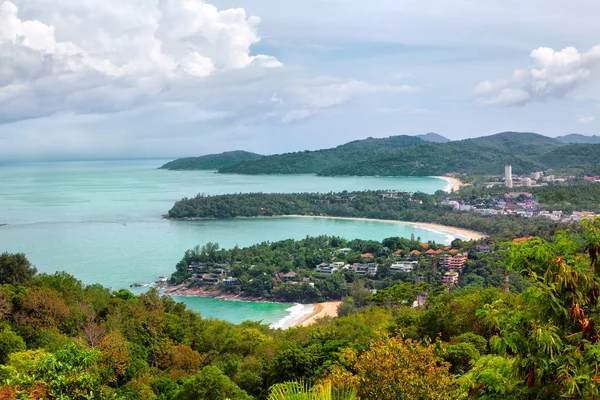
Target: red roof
[
  {"x": 398, "y": 252},
  {"x": 523, "y": 239},
  {"x": 439, "y": 251},
  {"x": 424, "y": 245},
  {"x": 367, "y": 255},
  {"x": 415, "y": 252},
  {"x": 430, "y": 251},
  {"x": 453, "y": 250}
]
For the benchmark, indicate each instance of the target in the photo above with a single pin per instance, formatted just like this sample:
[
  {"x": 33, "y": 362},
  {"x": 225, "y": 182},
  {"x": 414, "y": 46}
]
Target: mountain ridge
[{"x": 210, "y": 161}]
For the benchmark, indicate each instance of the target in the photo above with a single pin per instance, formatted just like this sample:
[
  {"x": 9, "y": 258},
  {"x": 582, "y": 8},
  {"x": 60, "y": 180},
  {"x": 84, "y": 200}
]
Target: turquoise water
[{"x": 100, "y": 221}]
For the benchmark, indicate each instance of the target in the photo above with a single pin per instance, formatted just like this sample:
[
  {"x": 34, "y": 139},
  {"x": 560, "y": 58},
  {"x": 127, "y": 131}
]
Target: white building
[
  {"x": 405, "y": 266},
  {"x": 508, "y": 176}
]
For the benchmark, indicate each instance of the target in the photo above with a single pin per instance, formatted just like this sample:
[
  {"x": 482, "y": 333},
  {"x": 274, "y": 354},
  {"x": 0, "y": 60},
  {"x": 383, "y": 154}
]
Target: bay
[{"x": 100, "y": 221}]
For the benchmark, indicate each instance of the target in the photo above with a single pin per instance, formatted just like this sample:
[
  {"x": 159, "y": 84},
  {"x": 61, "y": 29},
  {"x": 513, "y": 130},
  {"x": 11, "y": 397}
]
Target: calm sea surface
[{"x": 100, "y": 221}]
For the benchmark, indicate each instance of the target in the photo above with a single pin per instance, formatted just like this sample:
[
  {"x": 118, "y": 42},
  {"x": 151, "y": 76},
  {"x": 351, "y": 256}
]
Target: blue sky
[{"x": 141, "y": 78}]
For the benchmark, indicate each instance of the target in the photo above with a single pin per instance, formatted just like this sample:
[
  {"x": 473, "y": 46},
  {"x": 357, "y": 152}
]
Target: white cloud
[
  {"x": 552, "y": 74},
  {"x": 586, "y": 120},
  {"x": 70, "y": 57}
]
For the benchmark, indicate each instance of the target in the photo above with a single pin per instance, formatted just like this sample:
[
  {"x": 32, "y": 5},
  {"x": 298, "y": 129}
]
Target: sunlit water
[{"x": 100, "y": 221}]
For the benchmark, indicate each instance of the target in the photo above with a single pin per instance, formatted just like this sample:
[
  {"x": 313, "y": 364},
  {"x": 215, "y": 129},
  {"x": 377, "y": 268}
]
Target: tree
[
  {"x": 553, "y": 333},
  {"x": 211, "y": 384},
  {"x": 393, "y": 368},
  {"x": 15, "y": 269},
  {"x": 303, "y": 391},
  {"x": 10, "y": 343}
]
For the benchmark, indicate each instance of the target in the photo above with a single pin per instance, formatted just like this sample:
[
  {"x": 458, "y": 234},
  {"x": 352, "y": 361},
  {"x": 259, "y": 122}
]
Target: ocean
[{"x": 101, "y": 221}]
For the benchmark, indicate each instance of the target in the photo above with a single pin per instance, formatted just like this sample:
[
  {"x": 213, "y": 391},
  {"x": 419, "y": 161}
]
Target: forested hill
[
  {"x": 211, "y": 161},
  {"x": 314, "y": 162},
  {"x": 578, "y": 138},
  {"x": 408, "y": 156}
]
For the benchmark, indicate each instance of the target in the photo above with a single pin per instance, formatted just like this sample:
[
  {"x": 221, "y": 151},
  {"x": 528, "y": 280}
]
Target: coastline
[
  {"x": 321, "y": 310},
  {"x": 454, "y": 184},
  {"x": 471, "y": 234}
]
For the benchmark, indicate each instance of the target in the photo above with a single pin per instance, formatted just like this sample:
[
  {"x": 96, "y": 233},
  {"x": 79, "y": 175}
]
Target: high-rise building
[
  {"x": 526, "y": 182},
  {"x": 536, "y": 176},
  {"x": 508, "y": 176}
]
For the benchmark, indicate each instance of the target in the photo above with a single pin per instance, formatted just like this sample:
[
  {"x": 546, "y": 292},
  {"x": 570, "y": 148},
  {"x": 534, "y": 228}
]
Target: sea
[{"x": 101, "y": 222}]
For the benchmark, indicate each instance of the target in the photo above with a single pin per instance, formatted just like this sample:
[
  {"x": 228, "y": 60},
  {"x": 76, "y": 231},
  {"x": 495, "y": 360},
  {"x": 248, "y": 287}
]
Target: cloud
[
  {"x": 586, "y": 120},
  {"x": 552, "y": 74},
  {"x": 325, "y": 92},
  {"x": 106, "y": 56}
]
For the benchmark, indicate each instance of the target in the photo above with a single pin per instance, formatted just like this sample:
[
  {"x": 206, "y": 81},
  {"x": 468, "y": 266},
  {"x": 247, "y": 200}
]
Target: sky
[{"x": 94, "y": 79}]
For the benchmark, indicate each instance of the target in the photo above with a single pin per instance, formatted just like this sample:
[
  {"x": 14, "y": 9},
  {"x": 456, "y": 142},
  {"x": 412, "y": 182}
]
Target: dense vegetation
[
  {"x": 257, "y": 267},
  {"x": 417, "y": 207},
  {"x": 61, "y": 339},
  {"x": 526, "y": 152},
  {"x": 211, "y": 161},
  {"x": 314, "y": 162}
]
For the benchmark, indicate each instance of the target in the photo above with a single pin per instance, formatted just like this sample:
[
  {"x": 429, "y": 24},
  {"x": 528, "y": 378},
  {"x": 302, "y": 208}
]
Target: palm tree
[{"x": 303, "y": 391}]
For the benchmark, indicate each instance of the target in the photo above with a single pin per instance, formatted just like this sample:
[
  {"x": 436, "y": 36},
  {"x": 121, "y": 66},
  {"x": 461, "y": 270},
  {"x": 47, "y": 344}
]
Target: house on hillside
[
  {"x": 430, "y": 253},
  {"x": 326, "y": 269},
  {"x": 450, "y": 279},
  {"x": 415, "y": 253},
  {"x": 210, "y": 279},
  {"x": 290, "y": 276},
  {"x": 405, "y": 266},
  {"x": 367, "y": 256},
  {"x": 484, "y": 249},
  {"x": 398, "y": 253}
]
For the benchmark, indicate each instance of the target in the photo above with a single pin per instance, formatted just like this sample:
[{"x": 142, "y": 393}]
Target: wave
[{"x": 295, "y": 314}]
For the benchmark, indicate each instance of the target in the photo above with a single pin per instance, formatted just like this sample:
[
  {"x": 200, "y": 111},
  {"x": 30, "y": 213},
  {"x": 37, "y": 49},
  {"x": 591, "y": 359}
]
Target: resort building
[
  {"x": 326, "y": 269},
  {"x": 450, "y": 279},
  {"x": 405, "y": 266}
]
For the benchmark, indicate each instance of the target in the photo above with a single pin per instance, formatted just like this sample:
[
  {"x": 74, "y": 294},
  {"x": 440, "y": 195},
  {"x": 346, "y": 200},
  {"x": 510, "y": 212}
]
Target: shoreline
[
  {"x": 466, "y": 233},
  {"x": 321, "y": 310},
  {"x": 471, "y": 234},
  {"x": 454, "y": 184}
]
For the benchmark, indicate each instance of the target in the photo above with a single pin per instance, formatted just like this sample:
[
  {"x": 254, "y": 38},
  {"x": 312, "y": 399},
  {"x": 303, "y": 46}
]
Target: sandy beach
[
  {"x": 321, "y": 310},
  {"x": 470, "y": 234},
  {"x": 456, "y": 184}
]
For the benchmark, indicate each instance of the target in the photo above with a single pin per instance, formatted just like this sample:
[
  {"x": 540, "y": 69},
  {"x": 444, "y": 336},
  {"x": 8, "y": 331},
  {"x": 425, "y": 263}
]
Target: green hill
[
  {"x": 411, "y": 156},
  {"x": 584, "y": 156},
  {"x": 433, "y": 137},
  {"x": 578, "y": 138},
  {"x": 314, "y": 162},
  {"x": 211, "y": 161}
]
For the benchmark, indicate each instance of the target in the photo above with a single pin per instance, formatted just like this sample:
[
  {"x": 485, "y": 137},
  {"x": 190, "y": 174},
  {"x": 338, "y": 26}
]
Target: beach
[
  {"x": 454, "y": 184},
  {"x": 467, "y": 233},
  {"x": 321, "y": 310}
]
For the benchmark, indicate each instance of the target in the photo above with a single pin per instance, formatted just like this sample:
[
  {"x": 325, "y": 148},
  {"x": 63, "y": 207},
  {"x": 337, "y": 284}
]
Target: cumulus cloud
[
  {"x": 109, "y": 55},
  {"x": 552, "y": 74}
]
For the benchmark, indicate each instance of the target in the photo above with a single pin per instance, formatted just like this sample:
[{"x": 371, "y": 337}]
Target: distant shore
[
  {"x": 321, "y": 310},
  {"x": 455, "y": 184},
  {"x": 471, "y": 234}
]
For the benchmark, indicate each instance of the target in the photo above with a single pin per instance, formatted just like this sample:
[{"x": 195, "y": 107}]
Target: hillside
[
  {"x": 584, "y": 156},
  {"x": 314, "y": 162},
  {"x": 411, "y": 156},
  {"x": 211, "y": 161},
  {"x": 578, "y": 138},
  {"x": 434, "y": 138}
]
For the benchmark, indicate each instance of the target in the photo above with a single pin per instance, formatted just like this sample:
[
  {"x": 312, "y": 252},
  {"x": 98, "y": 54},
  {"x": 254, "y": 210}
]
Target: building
[
  {"x": 364, "y": 269},
  {"x": 508, "y": 181},
  {"x": 450, "y": 279},
  {"x": 536, "y": 176},
  {"x": 210, "y": 279},
  {"x": 484, "y": 249},
  {"x": 526, "y": 182},
  {"x": 405, "y": 266},
  {"x": 453, "y": 263},
  {"x": 290, "y": 276},
  {"x": 325, "y": 269}
]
